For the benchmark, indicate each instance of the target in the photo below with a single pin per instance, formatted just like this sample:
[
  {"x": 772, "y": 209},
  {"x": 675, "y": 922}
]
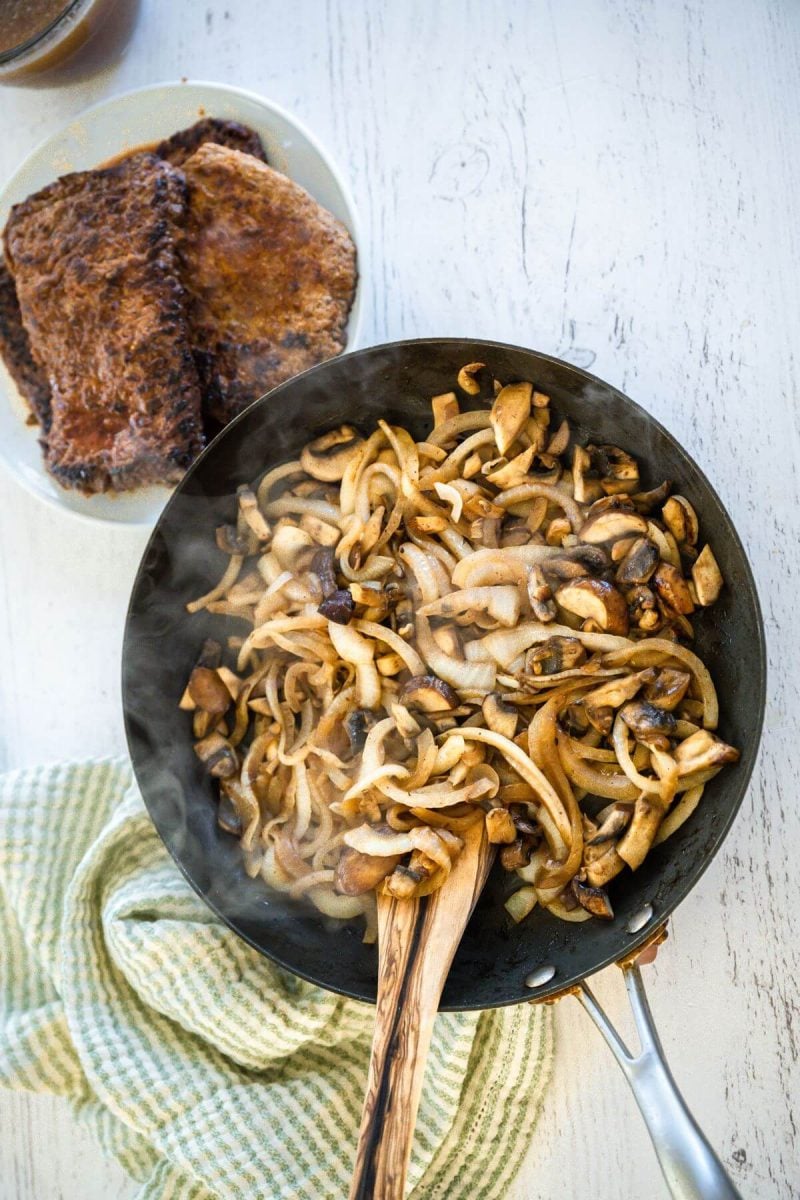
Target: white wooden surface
[{"x": 613, "y": 181}]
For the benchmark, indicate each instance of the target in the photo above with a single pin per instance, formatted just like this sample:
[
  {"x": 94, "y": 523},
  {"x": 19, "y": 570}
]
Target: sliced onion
[
  {"x": 381, "y": 843},
  {"x": 669, "y": 649},
  {"x": 477, "y": 677},
  {"x": 350, "y": 645},
  {"x": 504, "y": 645},
  {"x": 500, "y": 566},
  {"x": 531, "y": 491},
  {"x": 393, "y": 640},
  {"x": 503, "y": 603}
]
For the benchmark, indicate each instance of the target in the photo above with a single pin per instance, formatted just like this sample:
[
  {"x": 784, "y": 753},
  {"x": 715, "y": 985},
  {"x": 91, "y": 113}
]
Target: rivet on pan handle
[{"x": 691, "y": 1168}]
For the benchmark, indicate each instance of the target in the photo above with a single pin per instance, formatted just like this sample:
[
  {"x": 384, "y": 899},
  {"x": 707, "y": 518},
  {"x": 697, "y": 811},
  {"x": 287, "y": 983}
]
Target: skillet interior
[{"x": 161, "y": 643}]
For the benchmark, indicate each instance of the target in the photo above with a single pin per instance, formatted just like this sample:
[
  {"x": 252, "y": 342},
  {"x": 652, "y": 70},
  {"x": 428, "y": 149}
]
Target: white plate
[{"x": 122, "y": 123}]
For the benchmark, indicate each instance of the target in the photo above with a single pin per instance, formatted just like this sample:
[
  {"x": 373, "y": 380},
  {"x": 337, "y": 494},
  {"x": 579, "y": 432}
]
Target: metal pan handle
[{"x": 691, "y": 1168}]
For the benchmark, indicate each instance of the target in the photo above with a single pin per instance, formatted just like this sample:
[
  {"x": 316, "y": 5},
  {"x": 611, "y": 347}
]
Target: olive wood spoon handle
[{"x": 417, "y": 940}]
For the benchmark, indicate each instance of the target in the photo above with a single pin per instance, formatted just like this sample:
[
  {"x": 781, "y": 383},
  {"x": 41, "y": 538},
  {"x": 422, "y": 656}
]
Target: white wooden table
[{"x": 611, "y": 181}]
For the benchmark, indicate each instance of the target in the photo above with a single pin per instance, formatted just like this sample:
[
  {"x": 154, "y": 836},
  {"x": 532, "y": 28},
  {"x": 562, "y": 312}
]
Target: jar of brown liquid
[{"x": 39, "y": 36}]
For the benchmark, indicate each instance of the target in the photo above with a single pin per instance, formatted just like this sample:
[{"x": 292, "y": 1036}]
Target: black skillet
[{"x": 498, "y": 963}]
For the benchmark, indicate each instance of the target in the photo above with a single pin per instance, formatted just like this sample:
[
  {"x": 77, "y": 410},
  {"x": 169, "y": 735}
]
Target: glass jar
[{"x": 41, "y": 36}]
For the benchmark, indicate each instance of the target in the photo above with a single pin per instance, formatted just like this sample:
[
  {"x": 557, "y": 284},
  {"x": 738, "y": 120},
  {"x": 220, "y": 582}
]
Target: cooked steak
[
  {"x": 182, "y": 145},
  {"x": 94, "y": 261},
  {"x": 15, "y": 350},
  {"x": 270, "y": 276}
]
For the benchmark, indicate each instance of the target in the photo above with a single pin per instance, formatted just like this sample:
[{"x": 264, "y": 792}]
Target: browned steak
[
  {"x": 182, "y": 145},
  {"x": 94, "y": 261},
  {"x": 270, "y": 275},
  {"x": 16, "y": 352}
]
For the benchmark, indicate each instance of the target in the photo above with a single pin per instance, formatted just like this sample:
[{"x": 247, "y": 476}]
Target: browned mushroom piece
[
  {"x": 540, "y": 595},
  {"x": 500, "y": 828},
  {"x": 230, "y": 541},
  {"x": 600, "y": 703},
  {"x": 338, "y": 607},
  {"x": 707, "y": 577},
  {"x": 208, "y": 691},
  {"x": 639, "y": 563},
  {"x": 217, "y": 756},
  {"x": 327, "y": 457},
  {"x": 516, "y": 854},
  {"x": 618, "y": 471},
  {"x": 597, "y": 601},
  {"x": 593, "y": 899},
  {"x": 474, "y": 378},
  {"x": 357, "y": 873},
  {"x": 228, "y": 817},
  {"x": 645, "y": 502},
  {"x": 673, "y": 588},
  {"x": 668, "y": 688},
  {"x": 403, "y": 882},
  {"x": 510, "y": 411},
  {"x": 322, "y": 564},
  {"x": 252, "y": 514},
  {"x": 610, "y": 524},
  {"x": 499, "y": 716},
  {"x": 681, "y": 520},
  {"x": 428, "y": 693},
  {"x": 702, "y": 750},
  {"x": 617, "y": 818},
  {"x": 648, "y": 724},
  {"x": 643, "y": 608},
  {"x": 357, "y": 726},
  {"x": 556, "y": 654}
]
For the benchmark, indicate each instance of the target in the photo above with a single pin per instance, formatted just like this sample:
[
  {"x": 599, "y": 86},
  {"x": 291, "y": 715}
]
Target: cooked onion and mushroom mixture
[{"x": 486, "y": 625}]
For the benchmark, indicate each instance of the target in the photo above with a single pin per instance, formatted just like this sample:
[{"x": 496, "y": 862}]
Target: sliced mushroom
[
  {"x": 555, "y": 655},
  {"x": 469, "y": 378},
  {"x": 217, "y": 756},
  {"x": 593, "y": 899},
  {"x": 428, "y": 693},
  {"x": 559, "y": 440},
  {"x": 610, "y": 524},
  {"x": 672, "y": 588},
  {"x": 208, "y": 691},
  {"x": 338, "y": 607},
  {"x": 516, "y": 854},
  {"x": 252, "y": 514},
  {"x": 681, "y": 520},
  {"x": 600, "y": 703},
  {"x": 403, "y": 882},
  {"x": 557, "y": 530},
  {"x": 357, "y": 873},
  {"x": 707, "y": 577},
  {"x": 645, "y": 502},
  {"x": 510, "y": 411},
  {"x": 668, "y": 688},
  {"x": 444, "y": 408},
  {"x": 597, "y": 601},
  {"x": 649, "y": 724},
  {"x": 499, "y": 716},
  {"x": 328, "y": 457},
  {"x": 643, "y": 608},
  {"x": 540, "y": 595},
  {"x": 322, "y": 564},
  {"x": 639, "y": 563},
  {"x": 321, "y": 531},
  {"x": 230, "y": 541},
  {"x": 702, "y": 750},
  {"x": 617, "y": 817},
  {"x": 503, "y": 473},
  {"x": 500, "y": 828}
]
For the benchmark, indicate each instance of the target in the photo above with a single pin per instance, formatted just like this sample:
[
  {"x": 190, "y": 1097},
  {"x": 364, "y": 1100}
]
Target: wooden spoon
[{"x": 417, "y": 940}]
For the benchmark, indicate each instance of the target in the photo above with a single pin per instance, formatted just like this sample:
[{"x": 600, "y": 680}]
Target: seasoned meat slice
[
  {"x": 94, "y": 261},
  {"x": 16, "y": 352},
  {"x": 270, "y": 276},
  {"x": 180, "y": 146}
]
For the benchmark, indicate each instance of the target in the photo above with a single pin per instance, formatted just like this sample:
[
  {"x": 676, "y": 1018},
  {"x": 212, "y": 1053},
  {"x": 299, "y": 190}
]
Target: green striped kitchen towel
[{"x": 204, "y": 1069}]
